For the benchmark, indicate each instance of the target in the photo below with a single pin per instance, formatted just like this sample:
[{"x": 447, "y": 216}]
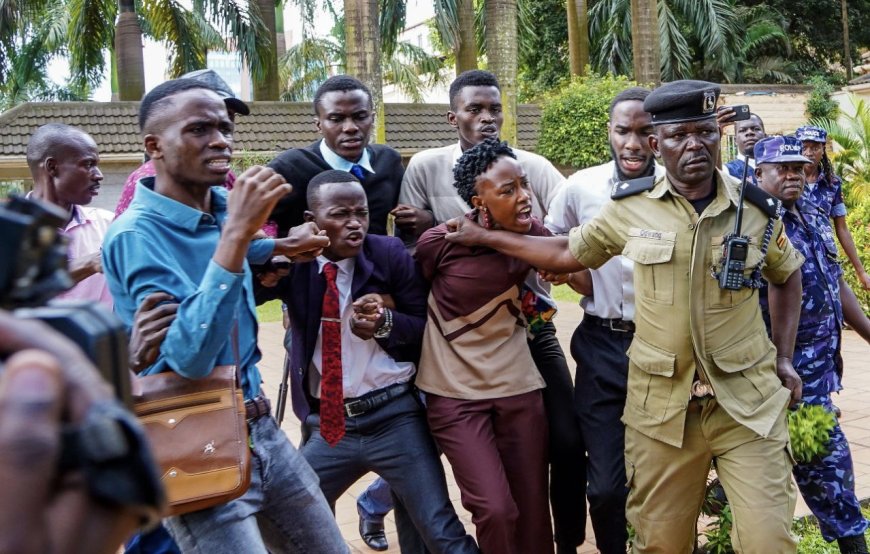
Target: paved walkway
[{"x": 852, "y": 401}]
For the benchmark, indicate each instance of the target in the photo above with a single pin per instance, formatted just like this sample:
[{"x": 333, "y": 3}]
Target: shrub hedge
[
  {"x": 573, "y": 127},
  {"x": 858, "y": 220}
]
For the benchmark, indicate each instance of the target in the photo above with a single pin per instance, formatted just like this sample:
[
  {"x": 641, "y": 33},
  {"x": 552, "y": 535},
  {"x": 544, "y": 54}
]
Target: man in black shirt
[{"x": 343, "y": 115}]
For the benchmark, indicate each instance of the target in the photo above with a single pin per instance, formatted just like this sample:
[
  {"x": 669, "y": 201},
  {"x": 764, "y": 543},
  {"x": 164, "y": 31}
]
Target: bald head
[
  {"x": 53, "y": 140},
  {"x": 64, "y": 161}
]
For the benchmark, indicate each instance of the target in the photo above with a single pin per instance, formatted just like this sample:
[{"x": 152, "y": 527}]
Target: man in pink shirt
[{"x": 64, "y": 163}]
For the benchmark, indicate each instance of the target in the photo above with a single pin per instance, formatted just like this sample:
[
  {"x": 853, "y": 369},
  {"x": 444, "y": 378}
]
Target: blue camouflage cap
[
  {"x": 811, "y": 132},
  {"x": 778, "y": 149}
]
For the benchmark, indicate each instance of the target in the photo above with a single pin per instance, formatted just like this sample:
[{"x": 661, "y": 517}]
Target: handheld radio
[{"x": 736, "y": 247}]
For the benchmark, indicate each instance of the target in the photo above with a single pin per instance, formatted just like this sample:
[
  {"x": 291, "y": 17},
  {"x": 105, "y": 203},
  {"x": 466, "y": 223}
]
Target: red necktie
[{"x": 331, "y": 389}]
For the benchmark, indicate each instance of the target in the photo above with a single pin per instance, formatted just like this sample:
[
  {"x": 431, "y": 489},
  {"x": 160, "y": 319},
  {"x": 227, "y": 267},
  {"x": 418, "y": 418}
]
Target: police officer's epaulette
[
  {"x": 621, "y": 189},
  {"x": 767, "y": 203}
]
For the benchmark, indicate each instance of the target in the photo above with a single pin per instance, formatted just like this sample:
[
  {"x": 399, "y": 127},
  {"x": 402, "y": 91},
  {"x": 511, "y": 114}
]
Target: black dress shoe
[{"x": 372, "y": 534}]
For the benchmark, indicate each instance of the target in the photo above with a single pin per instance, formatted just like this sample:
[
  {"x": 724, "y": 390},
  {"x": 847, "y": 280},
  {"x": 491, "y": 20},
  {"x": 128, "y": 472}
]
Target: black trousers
[
  {"x": 566, "y": 449},
  {"x": 600, "y": 390}
]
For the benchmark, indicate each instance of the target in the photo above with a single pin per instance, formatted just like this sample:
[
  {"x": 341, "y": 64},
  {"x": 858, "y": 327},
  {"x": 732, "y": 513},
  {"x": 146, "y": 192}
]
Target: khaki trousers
[{"x": 667, "y": 484}]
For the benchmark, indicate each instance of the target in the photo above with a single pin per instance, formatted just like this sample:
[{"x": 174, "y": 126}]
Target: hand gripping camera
[{"x": 108, "y": 446}]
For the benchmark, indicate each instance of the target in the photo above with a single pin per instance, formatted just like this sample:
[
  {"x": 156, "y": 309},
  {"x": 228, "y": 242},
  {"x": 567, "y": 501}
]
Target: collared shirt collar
[
  {"x": 723, "y": 198},
  {"x": 457, "y": 152},
  {"x": 344, "y": 266},
  {"x": 175, "y": 212},
  {"x": 337, "y": 162},
  {"x": 748, "y": 161},
  {"x": 77, "y": 216}
]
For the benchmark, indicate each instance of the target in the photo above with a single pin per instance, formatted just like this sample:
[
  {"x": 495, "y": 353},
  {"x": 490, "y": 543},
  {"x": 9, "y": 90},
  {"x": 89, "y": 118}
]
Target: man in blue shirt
[
  {"x": 183, "y": 235},
  {"x": 746, "y": 134},
  {"x": 827, "y": 484}
]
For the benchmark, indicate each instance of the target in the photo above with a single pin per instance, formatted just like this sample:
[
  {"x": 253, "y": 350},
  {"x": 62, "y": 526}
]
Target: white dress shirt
[
  {"x": 365, "y": 365},
  {"x": 578, "y": 202}
]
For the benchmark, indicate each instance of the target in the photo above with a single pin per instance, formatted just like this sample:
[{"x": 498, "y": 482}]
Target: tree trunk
[
  {"x": 645, "y": 42},
  {"x": 128, "y": 52},
  {"x": 578, "y": 36},
  {"x": 501, "y": 54},
  {"x": 281, "y": 44},
  {"x": 847, "y": 48},
  {"x": 466, "y": 51},
  {"x": 363, "y": 51},
  {"x": 267, "y": 87}
]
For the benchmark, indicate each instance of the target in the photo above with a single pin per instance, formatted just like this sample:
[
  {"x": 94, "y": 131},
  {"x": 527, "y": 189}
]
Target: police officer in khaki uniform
[{"x": 705, "y": 384}]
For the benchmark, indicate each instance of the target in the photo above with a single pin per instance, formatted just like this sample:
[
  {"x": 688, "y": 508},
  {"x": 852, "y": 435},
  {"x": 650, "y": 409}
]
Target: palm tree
[
  {"x": 363, "y": 53},
  {"x": 312, "y": 61},
  {"x": 187, "y": 34},
  {"x": 852, "y": 159},
  {"x": 128, "y": 49},
  {"x": 266, "y": 88},
  {"x": 501, "y": 53},
  {"x": 31, "y": 32},
  {"x": 578, "y": 36},
  {"x": 645, "y": 41},
  {"x": 455, "y": 23},
  {"x": 694, "y": 36}
]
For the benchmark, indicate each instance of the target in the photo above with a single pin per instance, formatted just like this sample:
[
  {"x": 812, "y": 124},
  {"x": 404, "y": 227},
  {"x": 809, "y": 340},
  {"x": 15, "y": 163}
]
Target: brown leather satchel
[{"x": 198, "y": 434}]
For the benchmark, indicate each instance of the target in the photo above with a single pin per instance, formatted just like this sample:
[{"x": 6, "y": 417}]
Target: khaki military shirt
[{"x": 686, "y": 324}]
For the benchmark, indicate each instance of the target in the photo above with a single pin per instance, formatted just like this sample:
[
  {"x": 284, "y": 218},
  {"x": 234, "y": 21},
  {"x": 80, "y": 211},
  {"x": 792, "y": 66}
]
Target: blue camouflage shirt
[
  {"x": 827, "y": 194},
  {"x": 816, "y": 353}
]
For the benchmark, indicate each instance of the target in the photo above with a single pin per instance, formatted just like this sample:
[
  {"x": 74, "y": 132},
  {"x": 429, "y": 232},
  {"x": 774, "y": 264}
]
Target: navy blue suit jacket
[{"x": 383, "y": 266}]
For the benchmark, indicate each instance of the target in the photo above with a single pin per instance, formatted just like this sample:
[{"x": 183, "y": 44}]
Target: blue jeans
[
  {"x": 283, "y": 511},
  {"x": 394, "y": 442}
]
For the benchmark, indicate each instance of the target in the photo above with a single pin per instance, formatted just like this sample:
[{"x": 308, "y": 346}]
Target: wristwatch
[{"x": 386, "y": 327}]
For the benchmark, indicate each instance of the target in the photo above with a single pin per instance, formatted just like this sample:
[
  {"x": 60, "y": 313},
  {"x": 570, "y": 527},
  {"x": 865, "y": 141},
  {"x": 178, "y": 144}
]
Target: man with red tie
[{"x": 357, "y": 316}]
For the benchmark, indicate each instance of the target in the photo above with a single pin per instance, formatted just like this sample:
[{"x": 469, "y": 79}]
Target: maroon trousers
[{"x": 498, "y": 451}]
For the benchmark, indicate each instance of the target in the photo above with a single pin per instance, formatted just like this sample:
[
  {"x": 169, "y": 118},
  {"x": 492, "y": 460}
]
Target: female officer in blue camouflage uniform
[{"x": 827, "y": 484}]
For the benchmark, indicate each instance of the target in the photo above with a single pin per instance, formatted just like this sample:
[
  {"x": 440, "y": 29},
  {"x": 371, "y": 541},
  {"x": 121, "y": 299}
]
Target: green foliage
[
  {"x": 718, "y": 533},
  {"x": 810, "y": 539},
  {"x": 543, "y": 63},
  {"x": 269, "y": 312},
  {"x": 8, "y": 188},
  {"x": 816, "y": 32},
  {"x": 858, "y": 220},
  {"x": 574, "y": 120},
  {"x": 717, "y": 40},
  {"x": 851, "y": 158},
  {"x": 809, "y": 429},
  {"x": 819, "y": 104},
  {"x": 243, "y": 159}
]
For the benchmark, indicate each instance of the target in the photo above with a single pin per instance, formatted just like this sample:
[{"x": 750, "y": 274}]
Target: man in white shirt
[{"x": 600, "y": 342}]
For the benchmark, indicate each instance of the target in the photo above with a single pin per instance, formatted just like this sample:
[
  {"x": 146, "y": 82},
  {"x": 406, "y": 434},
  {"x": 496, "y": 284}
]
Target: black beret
[{"x": 680, "y": 101}]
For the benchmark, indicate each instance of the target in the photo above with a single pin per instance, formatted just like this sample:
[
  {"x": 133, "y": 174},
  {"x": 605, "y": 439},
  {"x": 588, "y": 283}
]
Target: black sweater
[{"x": 299, "y": 165}]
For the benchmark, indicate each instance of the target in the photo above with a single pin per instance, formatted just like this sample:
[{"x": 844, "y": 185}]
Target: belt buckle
[
  {"x": 700, "y": 390},
  {"x": 618, "y": 329},
  {"x": 350, "y": 409}
]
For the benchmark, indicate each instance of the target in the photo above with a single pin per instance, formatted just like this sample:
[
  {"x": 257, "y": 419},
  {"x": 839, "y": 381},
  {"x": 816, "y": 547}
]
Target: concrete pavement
[{"x": 852, "y": 401}]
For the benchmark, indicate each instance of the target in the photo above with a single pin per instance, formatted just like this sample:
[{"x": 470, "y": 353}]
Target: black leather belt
[
  {"x": 618, "y": 325},
  {"x": 375, "y": 399},
  {"x": 257, "y": 407}
]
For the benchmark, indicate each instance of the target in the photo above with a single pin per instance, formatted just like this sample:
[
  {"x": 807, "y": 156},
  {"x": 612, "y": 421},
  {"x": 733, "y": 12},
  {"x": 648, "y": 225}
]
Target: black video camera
[
  {"x": 108, "y": 446},
  {"x": 33, "y": 269}
]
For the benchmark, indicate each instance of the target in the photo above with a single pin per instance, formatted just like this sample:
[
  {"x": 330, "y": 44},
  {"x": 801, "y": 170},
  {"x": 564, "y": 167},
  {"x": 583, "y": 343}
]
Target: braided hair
[
  {"x": 477, "y": 160},
  {"x": 827, "y": 169}
]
